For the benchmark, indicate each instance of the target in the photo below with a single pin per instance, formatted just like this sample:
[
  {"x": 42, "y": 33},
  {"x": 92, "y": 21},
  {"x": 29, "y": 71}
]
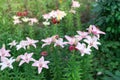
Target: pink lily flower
[
  {"x": 53, "y": 14},
  {"x": 60, "y": 14},
  {"x": 82, "y": 34},
  {"x": 93, "y": 29},
  {"x": 32, "y": 21},
  {"x": 59, "y": 42},
  {"x": 83, "y": 49},
  {"x": 75, "y": 4},
  {"x": 22, "y": 44},
  {"x": 5, "y": 62},
  {"x": 13, "y": 43},
  {"x": 4, "y": 52},
  {"x": 92, "y": 41},
  {"x": 17, "y": 21},
  {"x": 26, "y": 58},
  {"x": 46, "y": 16},
  {"x": 41, "y": 64},
  {"x": 72, "y": 40},
  {"x": 46, "y": 41},
  {"x": 31, "y": 42}
]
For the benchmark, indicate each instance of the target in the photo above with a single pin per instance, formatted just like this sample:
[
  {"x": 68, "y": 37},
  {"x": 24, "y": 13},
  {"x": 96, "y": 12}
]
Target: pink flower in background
[
  {"x": 83, "y": 49},
  {"x": 26, "y": 58},
  {"x": 32, "y": 21},
  {"x": 17, "y": 21},
  {"x": 47, "y": 16},
  {"x": 72, "y": 11},
  {"x": 5, "y": 62},
  {"x": 75, "y": 4},
  {"x": 13, "y": 43},
  {"x": 4, "y": 52},
  {"x": 59, "y": 42},
  {"x": 46, "y": 41},
  {"x": 60, "y": 14},
  {"x": 53, "y": 14},
  {"x": 82, "y": 34},
  {"x": 92, "y": 41},
  {"x": 93, "y": 29},
  {"x": 31, "y": 42},
  {"x": 41, "y": 64}
]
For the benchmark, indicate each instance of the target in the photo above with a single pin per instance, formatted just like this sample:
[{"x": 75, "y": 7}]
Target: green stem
[
  {"x": 56, "y": 67},
  {"x": 31, "y": 32},
  {"x": 73, "y": 68},
  {"x": 55, "y": 29}
]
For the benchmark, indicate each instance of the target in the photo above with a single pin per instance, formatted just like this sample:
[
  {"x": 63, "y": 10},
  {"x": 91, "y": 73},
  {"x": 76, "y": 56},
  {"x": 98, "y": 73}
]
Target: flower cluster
[
  {"x": 83, "y": 41},
  {"x": 18, "y": 20},
  {"x": 24, "y": 43},
  {"x": 54, "y": 16},
  {"x": 75, "y": 4},
  {"x": 55, "y": 40},
  {"x": 5, "y": 58},
  {"x": 27, "y": 57}
]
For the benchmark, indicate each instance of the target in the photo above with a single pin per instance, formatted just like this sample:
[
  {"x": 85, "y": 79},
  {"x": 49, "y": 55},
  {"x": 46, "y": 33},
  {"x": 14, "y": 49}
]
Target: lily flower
[
  {"x": 59, "y": 42},
  {"x": 5, "y": 62},
  {"x": 32, "y": 21},
  {"x": 26, "y": 58},
  {"x": 72, "y": 40},
  {"x": 46, "y": 16},
  {"x": 17, "y": 21},
  {"x": 31, "y": 42},
  {"x": 93, "y": 29},
  {"x": 46, "y": 41},
  {"x": 4, "y": 52},
  {"x": 92, "y": 41},
  {"x": 82, "y": 34},
  {"x": 83, "y": 49},
  {"x": 22, "y": 44},
  {"x": 75, "y": 4},
  {"x": 13, "y": 43},
  {"x": 41, "y": 64}
]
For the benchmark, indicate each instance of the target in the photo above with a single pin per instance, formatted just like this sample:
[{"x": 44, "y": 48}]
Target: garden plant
[{"x": 44, "y": 40}]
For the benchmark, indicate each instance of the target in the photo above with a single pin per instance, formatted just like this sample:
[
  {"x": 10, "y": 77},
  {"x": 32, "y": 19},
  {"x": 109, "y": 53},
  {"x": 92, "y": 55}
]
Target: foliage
[
  {"x": 111, "y": 76},
  {"x": 105, "y": 14},
  {"x": 108, "y": 17}
]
